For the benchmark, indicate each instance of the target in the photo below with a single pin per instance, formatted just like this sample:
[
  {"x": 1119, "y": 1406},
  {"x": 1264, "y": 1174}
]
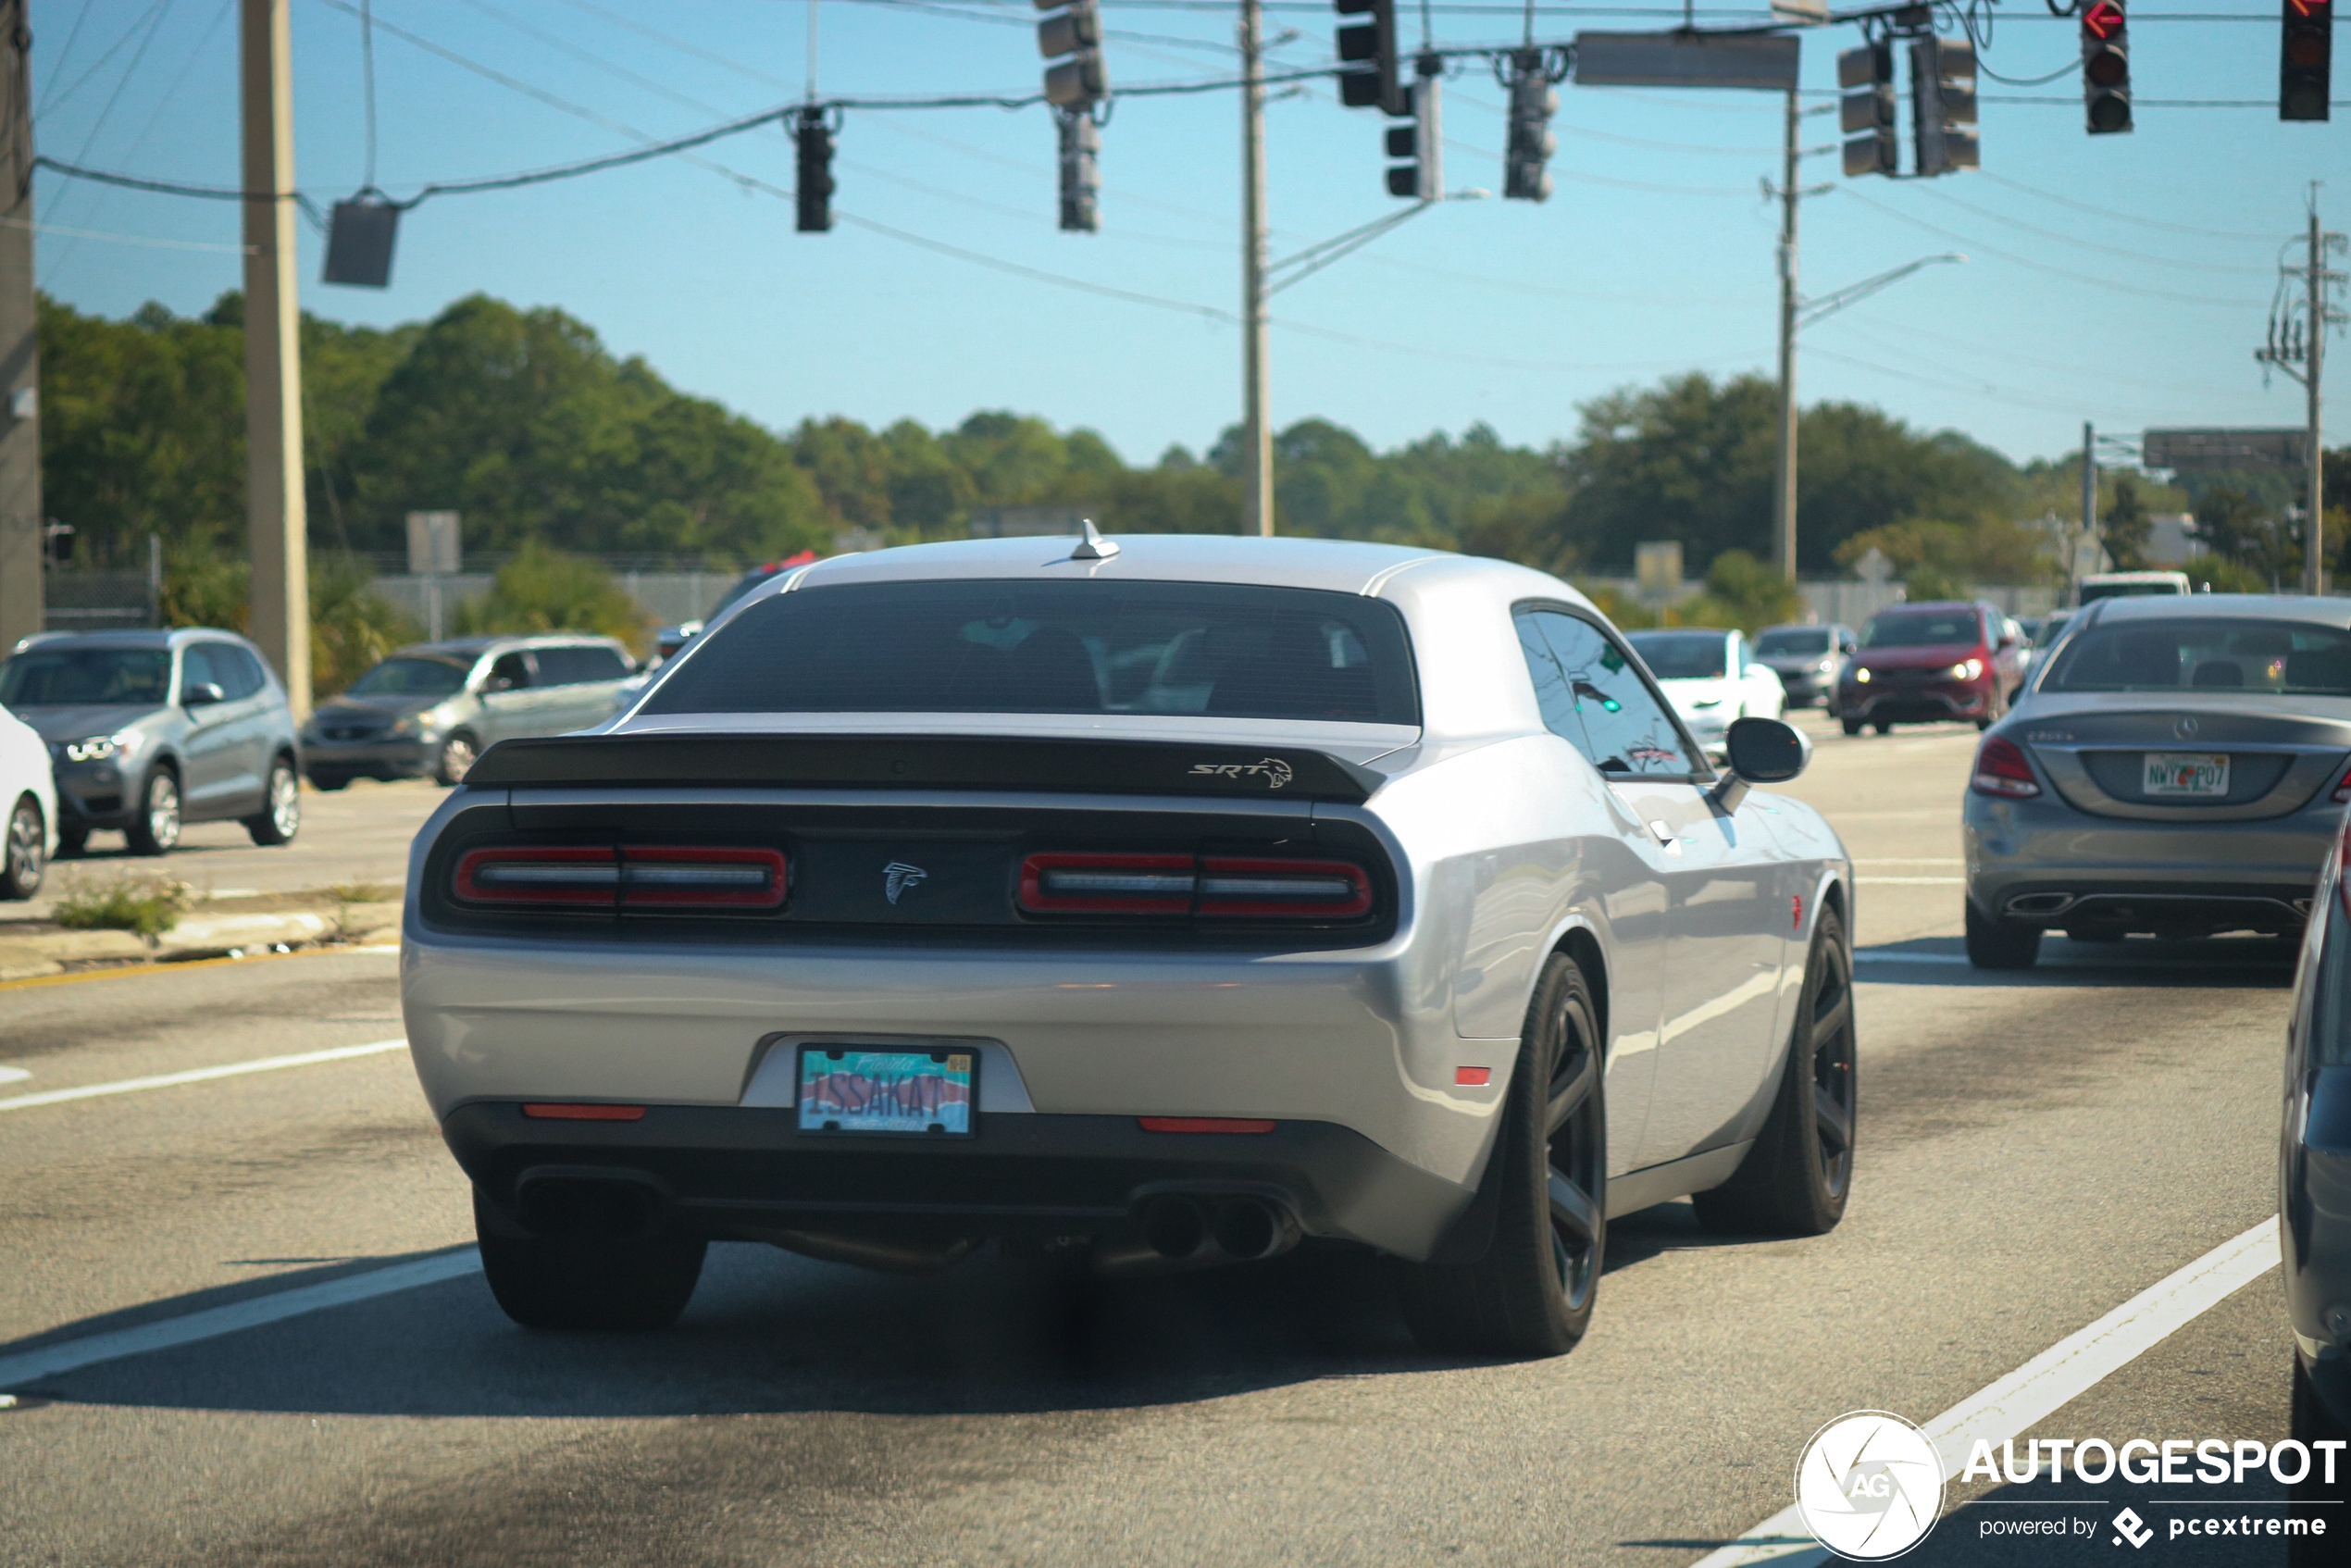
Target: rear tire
[
  {"x": 1531, "y": 1293},
  {"x": 2000, "y": 944},
  {"x": 1796, "y": 1179},
  {"x": 1883, "y": 728},
  {"x": 585, "y": 1283},
  {"x": 1850, "y": 726},
  {"x": 280, "y": 815},
  {"x": 24, "y": 850},
  {"x": 155, "y": 828},
  {"x": 71, "y": 840},
  {"x": 331, "y": 781}
]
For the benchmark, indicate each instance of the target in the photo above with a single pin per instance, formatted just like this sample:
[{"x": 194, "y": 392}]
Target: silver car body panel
[{"x": 1505, "y": 843}]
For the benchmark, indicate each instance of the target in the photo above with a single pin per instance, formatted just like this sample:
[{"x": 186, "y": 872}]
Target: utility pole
[
  {"x": 1256, "y": 435},
  {"x": 1783, "y": 492},
  {"x": 275, "y": 516},
  {"x": 2089, "y": 510},
  {"x": 22, "y": 604},
  {"x": 2300, "y": 350}
]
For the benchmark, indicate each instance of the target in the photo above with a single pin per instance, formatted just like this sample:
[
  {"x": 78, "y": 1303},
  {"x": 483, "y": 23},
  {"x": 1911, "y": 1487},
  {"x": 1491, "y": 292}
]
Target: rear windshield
[
  {"x": 1803, "y": 639},
  {"x": 1216, "y": 649},
  {"x": 2206, "y": 653},
  {"x": 1680, "y": 655},
  {"x": 1923, "y": 628},
  {"x": 62, "y": 676},
  {"x": 411, "y": 678},
  {"x": 2093, "y": 591}
]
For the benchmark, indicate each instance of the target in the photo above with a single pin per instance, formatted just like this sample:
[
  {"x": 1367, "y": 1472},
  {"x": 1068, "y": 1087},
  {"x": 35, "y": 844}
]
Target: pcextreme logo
[{"x": 1870, "y": 1485}]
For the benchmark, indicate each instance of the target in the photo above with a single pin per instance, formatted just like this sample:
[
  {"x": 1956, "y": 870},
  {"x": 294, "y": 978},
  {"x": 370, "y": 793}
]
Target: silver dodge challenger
[{"x": 1172, "y": 900}]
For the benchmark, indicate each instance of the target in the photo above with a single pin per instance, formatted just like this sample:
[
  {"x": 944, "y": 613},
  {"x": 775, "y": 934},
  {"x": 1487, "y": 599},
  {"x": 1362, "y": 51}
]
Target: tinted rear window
[
  {"x": 1806, "y": 640},
  {"x": 2206, "y": 654},
  {"x": 1682, "y": 655},
  {"x": 1923, "y": 628},
  {"x": 1216, "y": 649}
]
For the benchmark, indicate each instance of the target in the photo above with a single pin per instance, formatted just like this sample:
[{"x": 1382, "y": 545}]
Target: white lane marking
[
  {"x": 1914, "y": 881},
  {"x": 66, "y": 1355},
  {"x": 200, "y": 1075},
  {"x": 1866, "y": 956},
  {"x": 2048, "y": 1382},
  {"x": 13, "y": 1074}
]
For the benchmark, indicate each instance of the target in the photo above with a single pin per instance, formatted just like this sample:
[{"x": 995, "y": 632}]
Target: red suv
[{"x": 1918, "y": 664}]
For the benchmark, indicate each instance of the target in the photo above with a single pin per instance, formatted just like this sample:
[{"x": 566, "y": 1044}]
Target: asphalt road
[{"x": 2035, "y": 1152}]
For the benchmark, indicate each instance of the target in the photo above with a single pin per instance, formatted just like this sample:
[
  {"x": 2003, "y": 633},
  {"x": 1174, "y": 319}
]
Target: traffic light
[
  {"x": 1532, "y": 102},
  {"x": 813, "y": 195},
  {"x": 1077, "y": 32},
  {"x": 1421, "y": 143},
  {"x": 2106, "y": 68},
  {"x": 1081, "y": 177},
  {"x": 1942, "y": 101},
  {"x": 1868, "y": 115},
  {"x": 2304, "y": 56},
  {"x": 1368, "y": 78}
]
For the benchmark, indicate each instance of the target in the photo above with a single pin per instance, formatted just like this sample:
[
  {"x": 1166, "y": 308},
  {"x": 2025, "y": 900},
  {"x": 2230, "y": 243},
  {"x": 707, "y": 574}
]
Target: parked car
[
  {"x": 430, "y": 710},
  {"x": 28, "y": 807},
  {"x": 2173, "y": 770},
  {"x": 1918, "y": 664},
  {"x": 1712, "y": 678},
  {"x": 2314, "y": 1175},
  {"x": 2132, "y": 585},
  {"x": 888, "y": 922},
  {"x": 670, "y": 639},
  {"x": 1808, "y": 660},
  {"x": 149, "y": 730}
]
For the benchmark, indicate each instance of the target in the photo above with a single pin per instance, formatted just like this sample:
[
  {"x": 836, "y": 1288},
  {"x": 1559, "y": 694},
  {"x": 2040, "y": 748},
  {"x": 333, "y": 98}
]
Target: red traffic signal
[
  {"x": 2102, "y": 19},
  {"x": 2305, "y": 59},
  {"x": 2106, "y": 68}
]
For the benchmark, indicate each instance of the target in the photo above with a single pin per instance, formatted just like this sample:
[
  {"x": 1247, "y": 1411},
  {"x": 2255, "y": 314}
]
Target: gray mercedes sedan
[
  {"x": 2177, "y": 768},
  {"x": 1165, "y": 901}
]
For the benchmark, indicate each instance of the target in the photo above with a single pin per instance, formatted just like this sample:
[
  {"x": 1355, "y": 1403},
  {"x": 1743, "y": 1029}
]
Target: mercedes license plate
[
  {"x": 843, "y": 1090},
  {"x": 2186, "y": 773}
]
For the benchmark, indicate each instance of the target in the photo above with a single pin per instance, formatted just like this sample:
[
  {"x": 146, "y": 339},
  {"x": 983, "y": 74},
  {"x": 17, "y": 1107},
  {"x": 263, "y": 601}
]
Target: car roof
[
  {"x": 1933, "y": 604},
  {"x": 470, "y": 648},
  {"x": 2238, "y": 607},
  {"x": 150, "y": 637},
  {"x": 1341, "y": 566}
]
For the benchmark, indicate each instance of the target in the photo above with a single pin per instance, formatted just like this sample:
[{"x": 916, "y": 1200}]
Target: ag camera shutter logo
[{"x": 1870, "y": 1485}]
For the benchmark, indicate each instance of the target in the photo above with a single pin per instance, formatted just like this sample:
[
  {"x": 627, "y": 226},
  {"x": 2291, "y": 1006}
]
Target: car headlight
[
  {"x": 1863, "y": 675},
  {"x": 1967, "y": 670},
  {"x": 100, "y": 747},
  {"x": 411, "y": 726},
  {"x": 1828, "y": 667}
]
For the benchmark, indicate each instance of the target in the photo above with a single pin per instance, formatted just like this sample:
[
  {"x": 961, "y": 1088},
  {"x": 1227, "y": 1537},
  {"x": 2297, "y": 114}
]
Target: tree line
[{"x": 524, "y": 421}]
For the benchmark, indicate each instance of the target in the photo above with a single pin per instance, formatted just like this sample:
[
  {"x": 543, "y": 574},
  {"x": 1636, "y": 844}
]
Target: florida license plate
[
  {"x": 842, "y": 1089},
  {"x": 2186, "y": 773}
]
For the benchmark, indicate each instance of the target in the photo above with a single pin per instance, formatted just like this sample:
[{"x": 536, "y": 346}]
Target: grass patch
[
  {"x": 360, "y": 891},
  {"x": 149, "y": 905}
]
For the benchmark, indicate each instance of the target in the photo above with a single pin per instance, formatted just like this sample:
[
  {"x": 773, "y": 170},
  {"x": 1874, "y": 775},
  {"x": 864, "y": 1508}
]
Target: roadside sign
[
  {"x": 432, "y": 544},
  {"x": 2191, "y": 450},
  {"x": 1687, "y": 59},
  {"x": 1657, "y": 568}
]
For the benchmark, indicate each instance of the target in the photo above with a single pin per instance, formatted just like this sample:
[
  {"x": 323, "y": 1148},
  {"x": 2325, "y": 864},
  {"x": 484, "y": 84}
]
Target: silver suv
[
  {"x": 432, "y": 709},
  {"x": 151, "y": 729}
]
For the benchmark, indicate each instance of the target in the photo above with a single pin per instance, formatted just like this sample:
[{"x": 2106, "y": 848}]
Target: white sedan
[
  {"x": 27, "y": 808},
  {"x": 1712, "y": 678}
]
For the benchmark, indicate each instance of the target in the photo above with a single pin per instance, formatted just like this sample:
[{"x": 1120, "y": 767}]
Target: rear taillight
[
  {"x": 2343, "y": 787},
  {"x": 628, "y": 877},
  {"x": 2000, "y": 769},
  {"x": 1217, "y": 887}
]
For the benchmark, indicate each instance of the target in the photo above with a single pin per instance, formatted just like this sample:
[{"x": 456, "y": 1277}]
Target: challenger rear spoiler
[{"x": 1127, "y": 767}]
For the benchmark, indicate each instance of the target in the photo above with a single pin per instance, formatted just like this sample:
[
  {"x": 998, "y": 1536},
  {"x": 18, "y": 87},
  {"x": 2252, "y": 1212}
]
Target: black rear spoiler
[{"x": 1127, "y": 767}]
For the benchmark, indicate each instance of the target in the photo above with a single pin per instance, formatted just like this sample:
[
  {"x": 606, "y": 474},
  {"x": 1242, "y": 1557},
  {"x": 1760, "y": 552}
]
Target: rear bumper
[
  {"x": 738, "y": 1171},
  {"x": 369, "y": 759},
  {"x": 1915, "y": 704}
]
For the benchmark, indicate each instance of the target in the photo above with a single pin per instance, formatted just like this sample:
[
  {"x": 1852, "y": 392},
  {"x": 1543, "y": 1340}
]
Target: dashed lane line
[
  {"x": 200, "y": 1075},
  {"x": 2048, "y": 1383},
  {"x": 68, "y": 1355}
]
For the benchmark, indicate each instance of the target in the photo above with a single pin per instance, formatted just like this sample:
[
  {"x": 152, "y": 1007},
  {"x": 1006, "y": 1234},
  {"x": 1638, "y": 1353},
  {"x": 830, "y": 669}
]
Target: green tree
[
  {"x": 2123, "y": 530},
  {"x": 545, "y": 589}
]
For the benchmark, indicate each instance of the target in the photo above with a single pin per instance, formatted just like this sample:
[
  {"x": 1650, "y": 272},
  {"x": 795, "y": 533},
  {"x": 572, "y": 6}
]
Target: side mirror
[
  {"x": 1759, "y": 750},
  {"x": 201, "y": 693},
  {"x": 1848, "y": 646}
]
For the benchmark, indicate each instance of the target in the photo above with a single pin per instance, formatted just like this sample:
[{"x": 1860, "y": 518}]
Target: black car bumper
[
  {"x": 386, "y": 758},
  {"x": 726, "y": 1171},
  {"x": 1913, "y": 704}
]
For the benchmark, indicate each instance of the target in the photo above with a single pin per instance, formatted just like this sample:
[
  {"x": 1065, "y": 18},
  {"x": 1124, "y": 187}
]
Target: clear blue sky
[{"x": 2121, "y": 278}]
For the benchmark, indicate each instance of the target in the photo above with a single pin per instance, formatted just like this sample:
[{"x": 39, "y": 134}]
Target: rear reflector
[
  {"x": 547, "y": 1113},
  {"x": 628, "y": 876},
  {"x": 1221, "y": 887},
  {"x": 1203, "y": 1124},
  {"x": 2001, "y": 770},
  {"x": 1473, "y": 1078},
  {"x": 2343, "y": 787}
]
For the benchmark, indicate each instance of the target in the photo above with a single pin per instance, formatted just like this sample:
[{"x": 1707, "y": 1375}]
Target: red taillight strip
[
  {"x": 2001, "y": 770},
  {"x": 1204, "y": 1123},
  {"x": 633, "y": 877},
  {"x": 2343, "y": 787},
  {"x": 545, "y": 1111},
  {"x": 1216, "y": 887}
]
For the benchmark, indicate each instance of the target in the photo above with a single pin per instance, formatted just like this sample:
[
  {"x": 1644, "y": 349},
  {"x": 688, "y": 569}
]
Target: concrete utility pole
[
  {"x": 2314, "y": 531},
  {"x": 21, "y": 606},
  {"x": 1783, "y": 491},
  {"x": 275, "y": 513},
  {"x": 2089, "y": 509},
  {"x": 1257, "y": 434}
]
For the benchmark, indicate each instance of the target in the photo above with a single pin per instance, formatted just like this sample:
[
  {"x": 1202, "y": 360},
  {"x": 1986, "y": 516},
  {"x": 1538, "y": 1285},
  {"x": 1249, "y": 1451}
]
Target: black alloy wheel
[
  {"x": 156, "y": 827},
  {"x": 1797, "y": 1177},
  {"x": 1533, "y": 1291},
  {"x": 1994, "y": 943},
  {"x": 25, "y": 851},
  {"x": 280, "y": 815}
]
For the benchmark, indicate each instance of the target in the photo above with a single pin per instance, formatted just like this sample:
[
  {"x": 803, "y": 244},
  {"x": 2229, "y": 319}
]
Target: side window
[
  {"x": 511, "y": 673},
  {"x": 196, "y": 668},
  {"x": 559, "y": 667},
  {"x": 1591, "y": 698},
  {"x": 240, "y": 672},
  {"x": 600, "y": 663}
]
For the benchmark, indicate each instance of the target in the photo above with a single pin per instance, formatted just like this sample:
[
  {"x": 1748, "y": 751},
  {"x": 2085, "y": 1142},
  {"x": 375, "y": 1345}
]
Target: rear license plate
[
  {"x": 2186, "y": 773},
  {"x": 843, "y": 1090}
]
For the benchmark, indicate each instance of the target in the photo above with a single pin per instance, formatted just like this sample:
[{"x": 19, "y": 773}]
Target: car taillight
[
  {"x": 2343, "y": 787},
  {"x": 628, "y": 876},
  {"x": 1218, "y": 887},
  {"x": 2000, "y": 769}
]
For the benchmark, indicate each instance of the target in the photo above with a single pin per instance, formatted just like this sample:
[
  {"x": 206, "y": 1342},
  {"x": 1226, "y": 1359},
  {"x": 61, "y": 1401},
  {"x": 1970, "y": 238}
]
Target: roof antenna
[{"x": 1093, "y": 547}]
